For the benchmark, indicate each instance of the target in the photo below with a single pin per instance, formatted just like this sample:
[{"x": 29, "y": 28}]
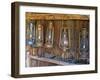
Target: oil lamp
[
  {"x": 84, "y": 45},
  {"x": 31, "y": 33},
  {"x": 64, "y": 40},
  {"x": 30, "y": 40},
  {"x": 39, "y": 34},
  {"x": 49, "y": 34}
]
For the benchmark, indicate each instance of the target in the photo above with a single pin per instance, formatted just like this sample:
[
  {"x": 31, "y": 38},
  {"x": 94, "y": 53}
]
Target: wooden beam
[{"x": 49, "y": 16}]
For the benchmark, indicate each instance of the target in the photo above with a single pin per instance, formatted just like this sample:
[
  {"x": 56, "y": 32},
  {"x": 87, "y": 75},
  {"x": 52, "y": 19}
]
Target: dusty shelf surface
[{"x": 43, "y": 59}]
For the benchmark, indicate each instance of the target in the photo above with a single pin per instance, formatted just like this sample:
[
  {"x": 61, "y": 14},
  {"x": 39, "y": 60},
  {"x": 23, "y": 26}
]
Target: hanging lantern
[
  {"x": 49, "y": 34},
  {"x": 39, "y": 34}
]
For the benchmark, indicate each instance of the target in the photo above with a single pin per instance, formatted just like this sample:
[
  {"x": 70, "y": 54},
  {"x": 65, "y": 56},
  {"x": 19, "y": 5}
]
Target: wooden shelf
[{"x": 49, "y": 60}]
